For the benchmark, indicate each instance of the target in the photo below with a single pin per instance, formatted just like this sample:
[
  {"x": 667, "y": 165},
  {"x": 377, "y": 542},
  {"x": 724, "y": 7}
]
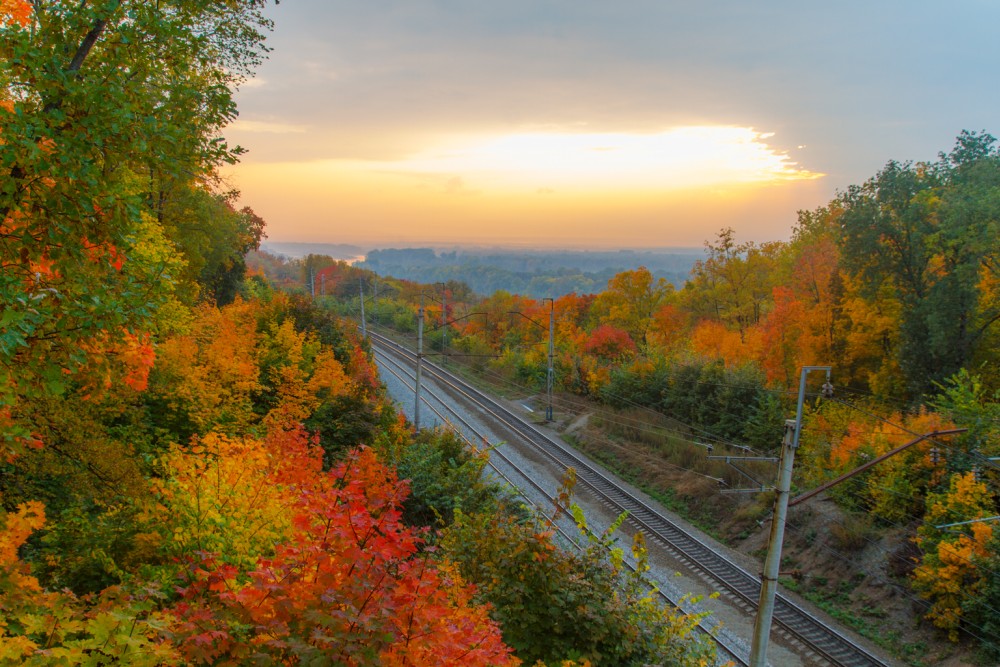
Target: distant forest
[{"x": 535, "y": 274}]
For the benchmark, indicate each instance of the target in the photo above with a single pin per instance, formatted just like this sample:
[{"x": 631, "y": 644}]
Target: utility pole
[
  {"x": 444, "y": 319},
  {"x": 769, "y": 578},
  {"x": 551, "y": 374},
  {"x": 420, "y": 358},
  {"x": 361, "y": 290},
  {"x": 552, "y": 328}
]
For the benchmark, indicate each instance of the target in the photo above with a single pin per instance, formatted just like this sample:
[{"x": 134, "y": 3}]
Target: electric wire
[
  {"x": 653, "y": 587},
  {"x": 633, "y": 423}
]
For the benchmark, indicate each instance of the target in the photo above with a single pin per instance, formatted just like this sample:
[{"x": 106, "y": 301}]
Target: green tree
[
  {"x": 94, "y": 97},
  {"x": 930, "y": 232},
  {"x": 734, "y": 283},
  {"x": 555, "y": 605}
]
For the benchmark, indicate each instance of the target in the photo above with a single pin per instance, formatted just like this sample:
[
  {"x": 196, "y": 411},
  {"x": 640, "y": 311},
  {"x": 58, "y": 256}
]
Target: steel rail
[
  {"x": 796, "y": 623},
  {"x": 726, "y": 653}
]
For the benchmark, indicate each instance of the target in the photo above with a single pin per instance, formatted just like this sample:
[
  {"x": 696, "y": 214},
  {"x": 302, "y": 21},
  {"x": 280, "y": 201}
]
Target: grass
[
  {"x": 666, "y": 497},
  {"x": 837, "y": 603}
]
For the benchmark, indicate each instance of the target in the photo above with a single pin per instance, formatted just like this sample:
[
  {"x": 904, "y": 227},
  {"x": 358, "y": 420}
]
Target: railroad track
[
  {"x": 819, "y": 642},
  {"x": 727, "y": 652}
]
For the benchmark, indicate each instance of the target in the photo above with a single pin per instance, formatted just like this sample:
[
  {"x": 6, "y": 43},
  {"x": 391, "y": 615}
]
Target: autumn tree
[
  {"x": 948, "y": 573},
  {"x": 631, "y": 300},
  {"x": 733, "y": 284},
  {"x": 555, "y": 604},
  {"x": 929, "y": 231},
  {"x": 95, "y": 97}
]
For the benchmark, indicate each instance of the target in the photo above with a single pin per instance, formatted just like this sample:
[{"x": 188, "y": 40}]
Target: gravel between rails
[{"x": 670, "y": 576}]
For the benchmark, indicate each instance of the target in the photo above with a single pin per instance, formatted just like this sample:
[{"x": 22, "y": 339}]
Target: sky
[{"x": 597, "y": 124}]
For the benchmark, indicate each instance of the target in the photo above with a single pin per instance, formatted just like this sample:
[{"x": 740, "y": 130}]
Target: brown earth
[{"x": 849, "y": 568}]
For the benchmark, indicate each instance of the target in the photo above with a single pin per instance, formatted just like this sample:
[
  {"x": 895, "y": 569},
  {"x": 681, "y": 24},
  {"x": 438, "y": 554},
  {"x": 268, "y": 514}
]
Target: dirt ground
[{"x": 853, "y": 571}]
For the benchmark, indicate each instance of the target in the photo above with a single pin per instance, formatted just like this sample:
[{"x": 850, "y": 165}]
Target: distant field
[{"x": 538, "y": 274}]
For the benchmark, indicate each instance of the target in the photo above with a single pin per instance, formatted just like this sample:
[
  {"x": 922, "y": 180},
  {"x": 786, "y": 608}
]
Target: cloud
[
  {"x": 677, "y": 158},
  {"x": 386, "y": 102}
]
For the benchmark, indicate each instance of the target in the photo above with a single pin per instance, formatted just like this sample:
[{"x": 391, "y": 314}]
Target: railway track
[
  {"x": 816, "y": 640},
  {"x": 728, "y": 653}
]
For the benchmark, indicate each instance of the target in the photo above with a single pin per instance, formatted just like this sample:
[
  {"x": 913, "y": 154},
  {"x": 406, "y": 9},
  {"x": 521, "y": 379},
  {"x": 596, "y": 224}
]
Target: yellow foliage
[
  {"x": 218, "y": 496},
  {"x": 948, "y": 573},
  {"x": 306, "y": 377},
  {"x": 211, "y": 373}
]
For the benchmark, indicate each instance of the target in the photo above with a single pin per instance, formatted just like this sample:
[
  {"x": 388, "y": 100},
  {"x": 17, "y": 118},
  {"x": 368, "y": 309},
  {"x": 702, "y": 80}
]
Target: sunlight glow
[
  {"x": 681, "y": 158},
  {"x": 596, "y": 190}
]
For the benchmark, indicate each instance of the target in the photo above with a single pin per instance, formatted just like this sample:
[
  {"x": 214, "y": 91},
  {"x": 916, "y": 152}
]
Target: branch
[{"x": 90, "y": 39}]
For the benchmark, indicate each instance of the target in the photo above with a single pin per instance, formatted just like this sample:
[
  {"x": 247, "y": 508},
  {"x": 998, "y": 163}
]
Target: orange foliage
[
  {"x": 97, "y": 252},
  {"x": 711, "y": 339},
  {"x": 362, "y": 370},
  {"x": 138, "y": 354},
  {"x": 347, "y": 585},
  {"x": 667, "y": 326},
  {"x": 16, "y": 12},
  {"x": 211, "y": 373},
  {"x": 844, "y": 450},
  {"x": 16, "y": 529},
  {"x": 782, "y": 337},
  {"x": 609, "y": 342},
  {"x": 877, "y": 438},
  {"x": 880, "y": 437}
]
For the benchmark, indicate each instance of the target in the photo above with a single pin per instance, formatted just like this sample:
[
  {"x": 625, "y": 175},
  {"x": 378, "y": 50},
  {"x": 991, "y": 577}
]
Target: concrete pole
[
  {"x": 551, "y": 373},
  {"x": 769, "y": 579},
  {"x": 444, "y": 321},
  {"x": 420, "y": 358},
  {"x": 772, "y": 564}
]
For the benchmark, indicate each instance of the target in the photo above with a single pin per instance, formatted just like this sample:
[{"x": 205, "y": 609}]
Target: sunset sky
[{"x": 586, "y": 123}]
